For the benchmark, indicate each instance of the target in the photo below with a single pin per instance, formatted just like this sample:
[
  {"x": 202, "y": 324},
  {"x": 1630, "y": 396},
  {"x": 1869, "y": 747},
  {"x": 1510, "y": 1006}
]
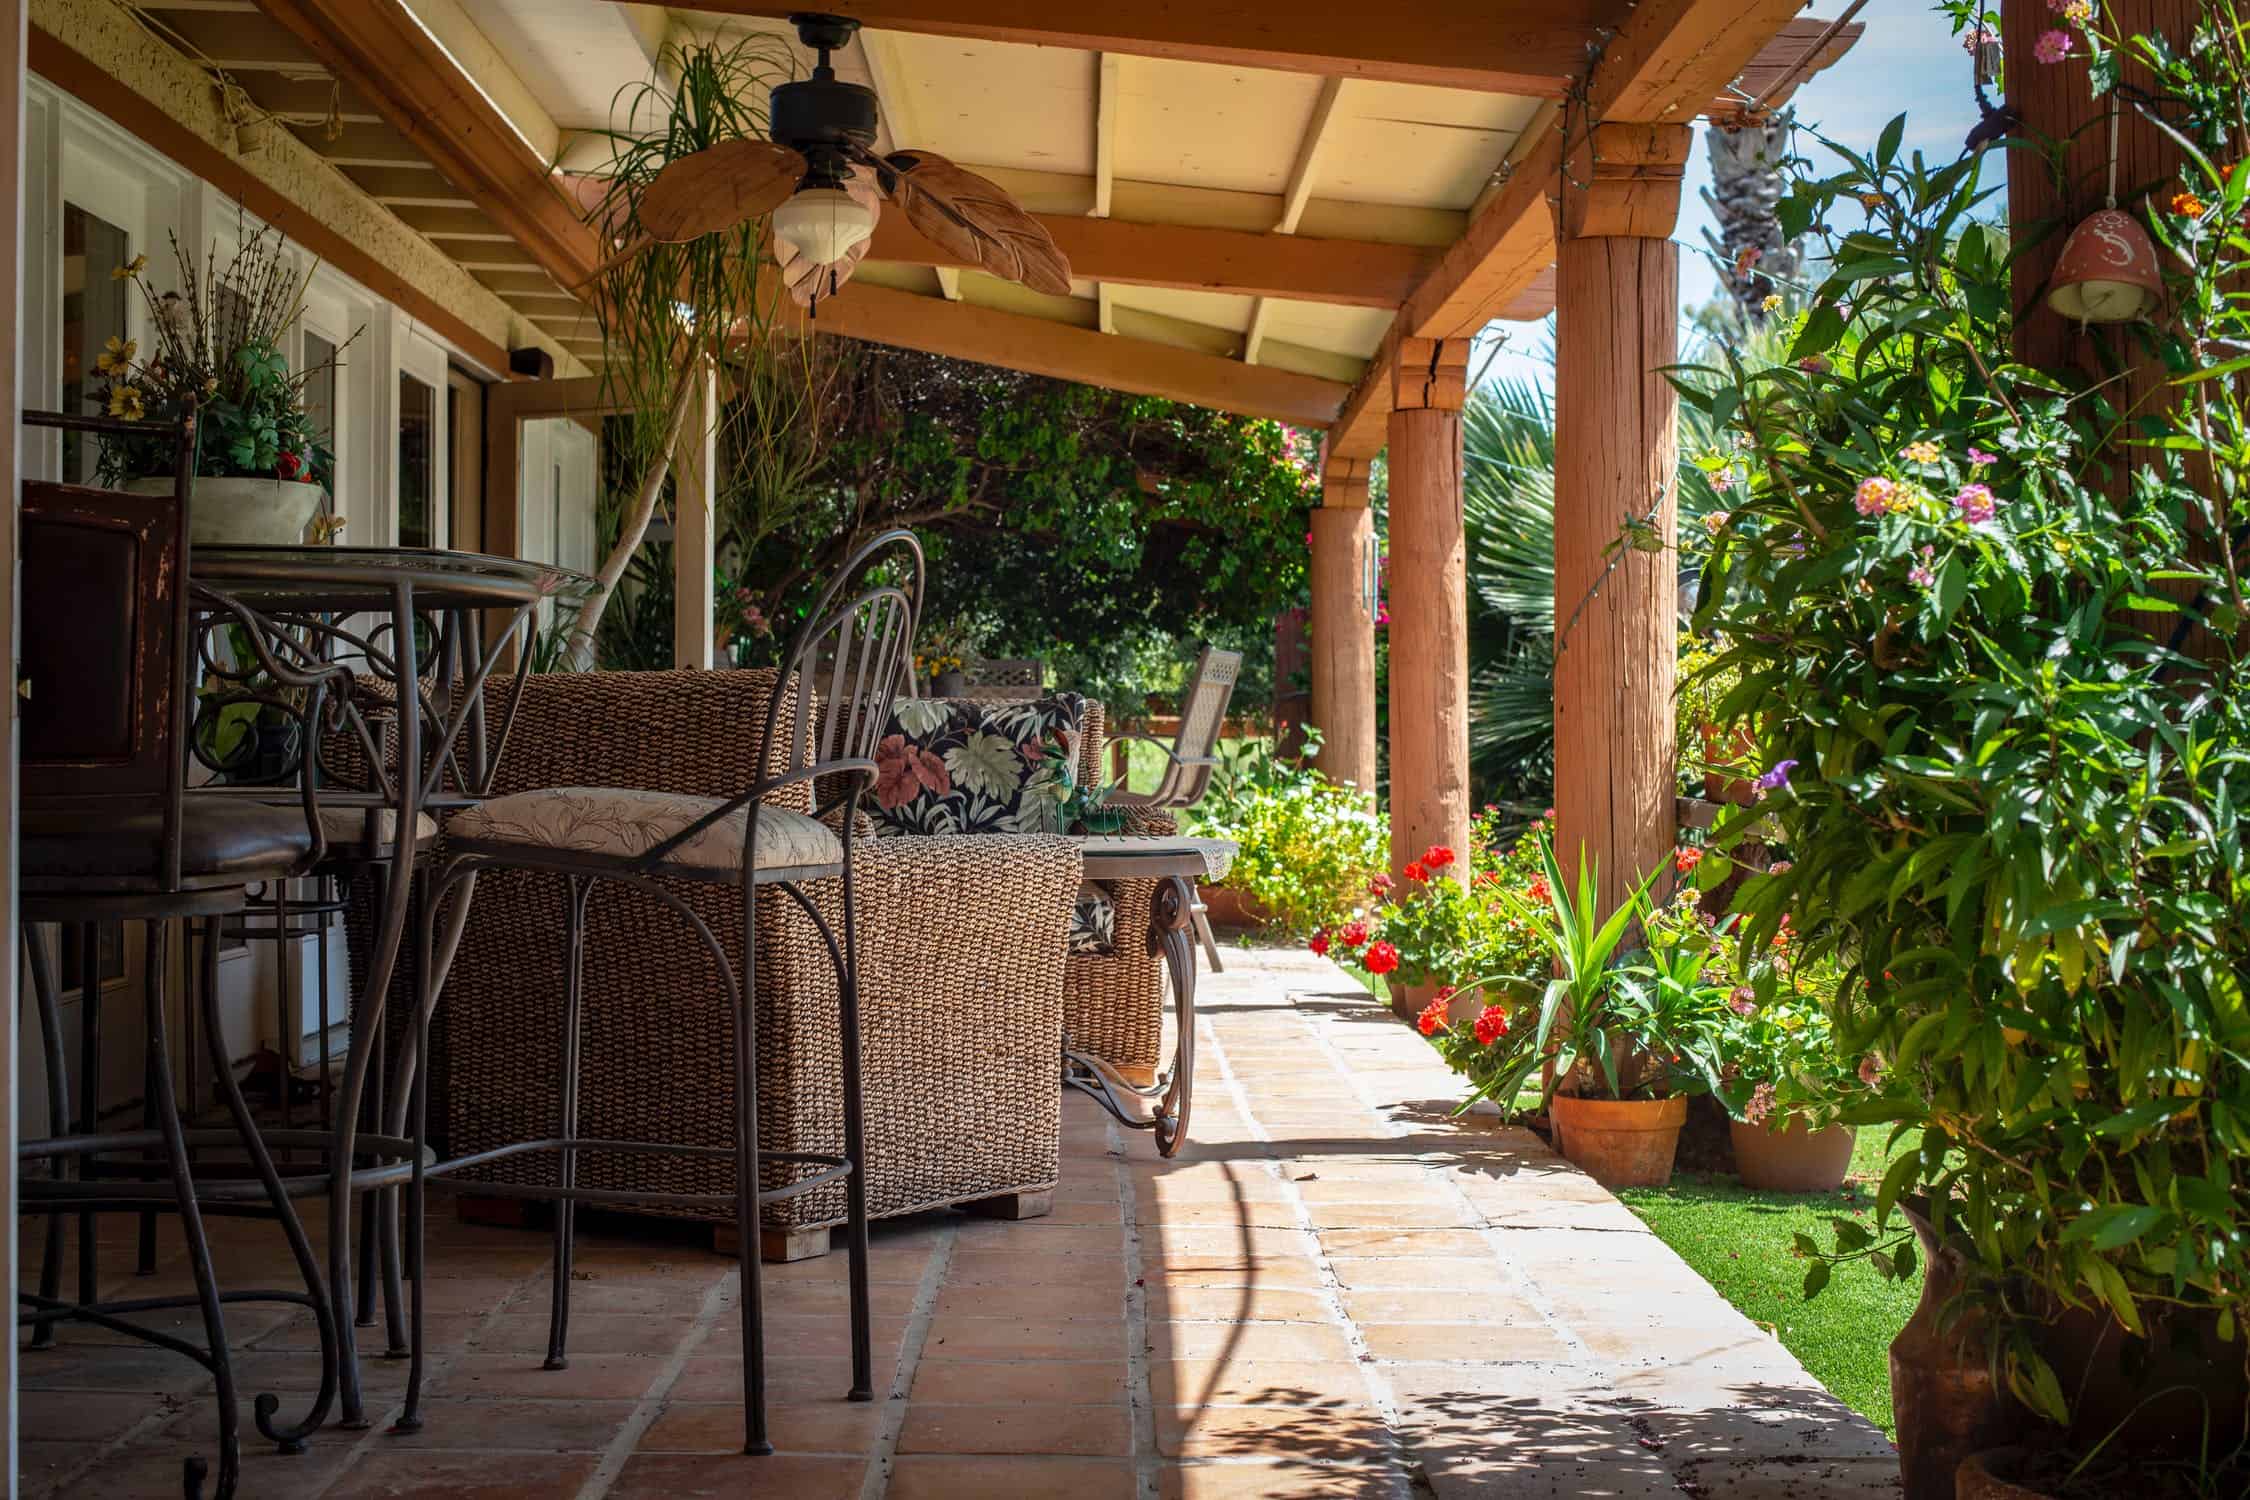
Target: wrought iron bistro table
[
  {"x": 431, "y": 628},
  {"x": 1178, "y": 862}
]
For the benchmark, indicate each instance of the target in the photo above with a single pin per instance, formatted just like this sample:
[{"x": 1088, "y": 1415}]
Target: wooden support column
[
  {"x": 1616, "y": 456},
  {"x": 1429, "y": 604},
  {"x": 1343, "y": 624},
  {"x": 695, "y": 527}
]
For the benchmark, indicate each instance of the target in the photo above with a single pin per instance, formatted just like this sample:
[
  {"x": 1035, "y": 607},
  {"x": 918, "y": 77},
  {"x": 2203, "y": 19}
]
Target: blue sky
[{"x": 1908, "y": 60}]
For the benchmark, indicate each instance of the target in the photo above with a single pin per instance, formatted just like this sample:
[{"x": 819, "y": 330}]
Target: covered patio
[{"x": 1334, "y": 1290}]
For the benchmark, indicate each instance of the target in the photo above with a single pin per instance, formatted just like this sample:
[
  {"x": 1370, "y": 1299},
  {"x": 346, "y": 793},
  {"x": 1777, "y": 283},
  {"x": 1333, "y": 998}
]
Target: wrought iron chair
[
  {"x": 858, "y": 643},
  {"x": 1191, "y": 757},
  {"x": 111, "y": 832}
]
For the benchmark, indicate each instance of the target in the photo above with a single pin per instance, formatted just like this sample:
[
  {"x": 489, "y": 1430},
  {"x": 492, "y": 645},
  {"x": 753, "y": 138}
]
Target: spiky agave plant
[{"x": 667, "y": 310}]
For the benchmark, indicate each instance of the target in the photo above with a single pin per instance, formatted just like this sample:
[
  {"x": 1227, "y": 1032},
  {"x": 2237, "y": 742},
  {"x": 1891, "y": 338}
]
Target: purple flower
[
  {"x": 1979, "y": 459},
  {"x": 1777, "y": 778},
  {"x": 1921, "y": 575},
  {"x": 1975, "y": 504},
  {"x": 2052, "y": 46}
]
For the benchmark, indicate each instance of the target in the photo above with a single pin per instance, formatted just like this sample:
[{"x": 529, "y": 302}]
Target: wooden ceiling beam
[
  {"x": 1663, "y": 67},
  {"x": 1352, "y": 273},
  {"x": 1039, "y": 346},
  {"x": 1532, "y": 47},
  {"x": 383, "y": 52}
]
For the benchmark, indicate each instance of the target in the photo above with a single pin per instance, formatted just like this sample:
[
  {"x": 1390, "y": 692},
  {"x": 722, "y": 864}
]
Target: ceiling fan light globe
[{"x": 823, "y": 223}]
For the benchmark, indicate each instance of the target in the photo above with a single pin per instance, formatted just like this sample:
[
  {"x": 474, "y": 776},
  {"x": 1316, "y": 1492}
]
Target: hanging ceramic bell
[{"x": 2107, "y": 272}]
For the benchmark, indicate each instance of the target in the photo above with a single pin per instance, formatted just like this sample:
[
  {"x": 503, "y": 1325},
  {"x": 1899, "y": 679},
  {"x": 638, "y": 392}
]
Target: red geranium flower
[
  {"x": 1431, "y": 1018},
  {"x": 1686, "y": 858},
  {"x": 1445, "y": 992},
  {"x": 1353, "y": 934},
  {"x": 1492, "y": 1025},
  {"x": 1437, "y": 857},
  {"x": 1319, "y": 943},
  {"x": 1537, "y": 891},
  {"x": 289, "y": 466},
  {"x": 1381, "y": 957},
  {"x": 1414, "y": 870},
  {"x": 1486, "y": 877}
]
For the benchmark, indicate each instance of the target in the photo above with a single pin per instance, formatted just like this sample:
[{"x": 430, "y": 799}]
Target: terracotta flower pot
[
  {"x": 1943, "y": 1394},
  {"x": 1718, "y": 787},
  {"x": 1228, "y": 907},
  {"x": 1620, "y": 1142},
  {"x": 1991, "y": 1476},
  {"x": 1794, "y": 1160}
]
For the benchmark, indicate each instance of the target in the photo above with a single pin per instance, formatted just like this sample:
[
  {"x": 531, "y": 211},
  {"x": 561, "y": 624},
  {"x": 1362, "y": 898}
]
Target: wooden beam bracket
[
  {"x": 1431, "y": 374},
  {"x": 1623, "y": 180}
]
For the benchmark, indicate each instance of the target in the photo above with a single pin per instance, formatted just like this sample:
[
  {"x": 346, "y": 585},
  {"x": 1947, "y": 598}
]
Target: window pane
[
  {"x": 93, "y": 314},
  {"x": 320, "y": 393},
  {"x": 417, "y": 416}
]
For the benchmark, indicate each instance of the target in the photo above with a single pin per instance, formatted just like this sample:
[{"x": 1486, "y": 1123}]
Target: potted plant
[
  {"x": 1723, "y": 749},
  {"x": 262, "y": 471},
  {"x": 1623, "y": 1035},
  {"x": 1997, "y": 651},
  {"x": 944, "y": 652},
  {"x": 1782, "y": 1077}
]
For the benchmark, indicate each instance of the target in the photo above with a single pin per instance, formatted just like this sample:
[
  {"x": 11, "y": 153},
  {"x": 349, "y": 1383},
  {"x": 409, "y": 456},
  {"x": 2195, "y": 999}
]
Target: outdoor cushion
[
  {"x": 621, "y": 824},
  {"x": 221, "y": 838},
  {"x": 957, "y": 765},
  {"x": 346, "y": 828},
  {"x": 1093, "y": 919}
]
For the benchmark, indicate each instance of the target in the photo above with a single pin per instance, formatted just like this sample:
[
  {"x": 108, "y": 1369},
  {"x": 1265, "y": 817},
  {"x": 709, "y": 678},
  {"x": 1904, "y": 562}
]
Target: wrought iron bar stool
[
  {"x": 110, "y": 831},
  {"x": 830, "y": 704}
]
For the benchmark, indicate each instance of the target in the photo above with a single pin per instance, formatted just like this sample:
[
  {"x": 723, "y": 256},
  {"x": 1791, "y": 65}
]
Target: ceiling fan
[{"x": 823, "y": 182}]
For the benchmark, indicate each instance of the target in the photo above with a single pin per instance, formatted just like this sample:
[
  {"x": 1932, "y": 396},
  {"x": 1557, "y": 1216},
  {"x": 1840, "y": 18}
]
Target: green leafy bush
[
  {"x": 1306, "y": 849},
  {"x": 1993, "y": 622}
]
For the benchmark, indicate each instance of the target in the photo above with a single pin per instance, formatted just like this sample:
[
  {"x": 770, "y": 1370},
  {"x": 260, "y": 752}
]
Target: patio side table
[
  {"x": 1178, "y": 862},
  {"x": 437, "y": 627}
]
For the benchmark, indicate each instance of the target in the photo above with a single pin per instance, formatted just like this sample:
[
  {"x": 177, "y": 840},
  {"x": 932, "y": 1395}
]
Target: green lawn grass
[{"x": 1740, "y": 1242}]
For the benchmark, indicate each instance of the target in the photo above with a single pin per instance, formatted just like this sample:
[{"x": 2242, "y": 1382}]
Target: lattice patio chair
[
  {"x": 1192, "y": 756},
  {"x": 991, "y": 680}
]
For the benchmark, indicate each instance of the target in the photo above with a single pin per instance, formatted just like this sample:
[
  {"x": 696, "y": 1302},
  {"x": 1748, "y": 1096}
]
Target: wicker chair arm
[{"x": 1155, "y": 821}]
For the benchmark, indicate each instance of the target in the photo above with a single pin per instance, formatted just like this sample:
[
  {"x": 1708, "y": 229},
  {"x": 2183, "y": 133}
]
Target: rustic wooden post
[
  {"x": 1429, "y": 604},
  {"x": 695, "y": 483},
  {"x": 1616, "y": 456},
  {"x": 1343, "y": 624}
]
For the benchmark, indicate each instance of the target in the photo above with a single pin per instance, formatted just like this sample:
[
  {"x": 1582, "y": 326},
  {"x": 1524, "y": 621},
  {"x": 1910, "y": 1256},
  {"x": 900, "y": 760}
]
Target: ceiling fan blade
[
  {"x": 973, "y": 218},
  {"x": 717, "y": 188}
]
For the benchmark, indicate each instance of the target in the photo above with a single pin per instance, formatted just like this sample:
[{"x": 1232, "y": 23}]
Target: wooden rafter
[
  {"x": 1505, "y": 46},
  {"x": 384, "y": 53},
  {"x": 1042, "y": 347},
  {"x": 1294, "y": 197},
  {"x": 1352, "y": 273},
  {"x": 1108, "y": 83},
  {"x": 1663, "y": 67}
]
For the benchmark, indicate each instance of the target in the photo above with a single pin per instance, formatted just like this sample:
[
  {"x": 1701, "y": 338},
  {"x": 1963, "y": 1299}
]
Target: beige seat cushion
[
  {"x": 346, "y": 828},
  {"x": 621, "y": 824}
]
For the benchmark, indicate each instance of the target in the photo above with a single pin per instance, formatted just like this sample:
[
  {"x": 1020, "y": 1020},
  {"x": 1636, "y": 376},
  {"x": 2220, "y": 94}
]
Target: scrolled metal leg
[
  {"x": 198, "y": 1247},
  {"x": 288, "y": 1439},
  {"x": 1172, "y": 934},
  {"x": 58, "y": 1117},
  {"x": 855, "y": 1142},
  {"x": 577, "y": 892},
  {"x": 746, "y": 1178},
  {"x": 90, "y": 1092}
]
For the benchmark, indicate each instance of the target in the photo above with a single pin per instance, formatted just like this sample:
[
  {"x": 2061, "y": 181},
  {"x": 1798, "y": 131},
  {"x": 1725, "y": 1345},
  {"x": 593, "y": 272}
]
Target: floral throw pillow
[{"x": 957, "y": 765}]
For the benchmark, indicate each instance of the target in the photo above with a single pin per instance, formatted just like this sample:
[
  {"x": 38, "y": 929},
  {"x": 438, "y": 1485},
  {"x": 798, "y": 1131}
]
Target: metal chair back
[
  {"x": 852, "y": 658},
  {"x": 105, "y": 643},
  {"x": 1203, "y": 716}
]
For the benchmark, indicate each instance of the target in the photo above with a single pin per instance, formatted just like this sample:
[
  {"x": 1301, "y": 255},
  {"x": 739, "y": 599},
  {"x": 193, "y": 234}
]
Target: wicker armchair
[
  {"x": 1113, "y": 1003},
  {"x": 961, "y": 951}
]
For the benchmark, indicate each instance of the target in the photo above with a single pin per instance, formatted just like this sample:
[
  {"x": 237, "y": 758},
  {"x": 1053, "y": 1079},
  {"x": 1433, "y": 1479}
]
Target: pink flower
[
  {"x": 1744, "y": 1000},
  {"x": 1975, "y": 504},
  {"x": 1722, "y": 481},
  {"x": 1920, "y": 574},
  {"x": 1377, "y": 884},
  {"x": 1979, "y": 36},
  {"x": 1760, "y": 1105},
  {"x": 1814, "y": 364},
  {"x": 2053, "y": 46},
  {"x": 1875, "y": 496},
  {"x": 1979, "y": 459},
  {"x": 1870, "y": 1070},
  {"x": 1716, "y": 521}
]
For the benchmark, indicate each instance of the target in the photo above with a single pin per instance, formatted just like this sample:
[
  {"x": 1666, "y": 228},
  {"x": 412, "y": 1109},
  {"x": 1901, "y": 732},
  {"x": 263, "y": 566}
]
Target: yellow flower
[
  {"x": 1872, "y": 200},
  {"x": 116, "y": 355},
  {"x": 125, "y": 401},
  {"x": 1772, "y": 302},
  {"x": 1924, "y": 452},
  {"x": 130, "y": 269}
]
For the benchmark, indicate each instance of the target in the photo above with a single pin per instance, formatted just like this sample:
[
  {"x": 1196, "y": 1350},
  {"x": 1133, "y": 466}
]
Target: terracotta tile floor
[{"x": 1335, "y": 1290}]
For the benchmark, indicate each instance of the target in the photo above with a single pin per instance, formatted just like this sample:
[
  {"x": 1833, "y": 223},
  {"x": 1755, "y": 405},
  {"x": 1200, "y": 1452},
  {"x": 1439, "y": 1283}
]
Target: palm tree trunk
[{"x": 581, "y": 647}]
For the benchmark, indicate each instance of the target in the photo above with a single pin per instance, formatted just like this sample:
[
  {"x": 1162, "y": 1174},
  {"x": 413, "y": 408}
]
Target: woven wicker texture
[
  {"x": 1113, "y": 1003},
  {"x": 961, "y": 948}
]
